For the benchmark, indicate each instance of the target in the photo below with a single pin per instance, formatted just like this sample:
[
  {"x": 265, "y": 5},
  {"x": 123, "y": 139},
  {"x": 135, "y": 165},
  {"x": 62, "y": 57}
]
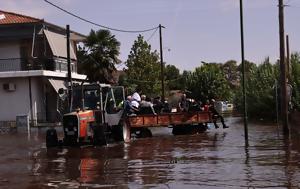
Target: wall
[
  {"x": 17, "y": 102},
  {"x": 38, "y": 98}
]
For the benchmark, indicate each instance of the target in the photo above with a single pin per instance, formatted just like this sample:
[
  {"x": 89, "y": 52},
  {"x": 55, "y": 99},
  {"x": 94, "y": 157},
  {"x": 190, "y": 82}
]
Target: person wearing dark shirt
[
  {"x": 184, "y": 104},
  {"x": 157, "y": 104}
]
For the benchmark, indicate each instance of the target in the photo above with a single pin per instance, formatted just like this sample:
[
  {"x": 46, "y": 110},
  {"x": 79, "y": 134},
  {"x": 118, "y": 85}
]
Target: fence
[
  {"x": 7, "y": 126},
  {"x": 24, "y": 64}
]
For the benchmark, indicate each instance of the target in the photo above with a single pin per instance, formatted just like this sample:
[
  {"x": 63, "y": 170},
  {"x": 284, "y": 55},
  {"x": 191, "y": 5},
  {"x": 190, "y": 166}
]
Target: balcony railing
[{"x": 24, "y": 64}]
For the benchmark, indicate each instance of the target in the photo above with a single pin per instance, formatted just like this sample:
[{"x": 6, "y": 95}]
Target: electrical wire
[
  {"x": 99, "y": 25},
  {"x": 152, "y": 34}
]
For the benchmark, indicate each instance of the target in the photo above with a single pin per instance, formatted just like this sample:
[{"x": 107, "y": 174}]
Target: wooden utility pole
[
  {"x": 288, "y": 56},
  {"x": 243, "y": 72},
  {"x": 161, "y": 64},
  {"x": 284, "y": 107},
  {"x": 70, "y": 88}
]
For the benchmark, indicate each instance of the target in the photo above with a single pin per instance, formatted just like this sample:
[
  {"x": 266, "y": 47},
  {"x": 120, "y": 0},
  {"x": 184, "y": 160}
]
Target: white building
[{"x": 33, "y": 66}]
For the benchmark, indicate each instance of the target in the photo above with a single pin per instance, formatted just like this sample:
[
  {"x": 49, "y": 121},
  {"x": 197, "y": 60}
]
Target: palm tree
[{"x": 98, "y": 57}]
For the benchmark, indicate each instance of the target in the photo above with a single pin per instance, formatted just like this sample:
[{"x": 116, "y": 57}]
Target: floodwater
[{"x": 215, "y": 159}]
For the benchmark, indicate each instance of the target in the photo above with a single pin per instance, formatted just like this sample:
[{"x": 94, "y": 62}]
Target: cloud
[
  {"x": 28, "y": 7},
  {"x": 34, "y": 8}
]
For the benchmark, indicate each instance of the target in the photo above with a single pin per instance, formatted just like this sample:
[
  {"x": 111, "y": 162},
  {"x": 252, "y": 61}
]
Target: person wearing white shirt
[{"x": 136, "y": 95}]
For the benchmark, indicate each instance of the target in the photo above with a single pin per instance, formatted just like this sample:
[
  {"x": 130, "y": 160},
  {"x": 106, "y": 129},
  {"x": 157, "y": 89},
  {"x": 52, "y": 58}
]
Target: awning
[
  {"x": 57, "y": 84},
  {"x": 58, "y": 45}
]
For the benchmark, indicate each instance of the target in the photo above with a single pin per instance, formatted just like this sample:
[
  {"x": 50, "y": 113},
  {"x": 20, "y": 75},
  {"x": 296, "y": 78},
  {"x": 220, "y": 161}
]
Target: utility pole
[
  {"x": 288, "y": 56},
  {"x": 284, "y": 107},
  {"x": 70, "y": 87},
  {"x": 161, "y": 64},
  {"x": 244, "y": 78}
]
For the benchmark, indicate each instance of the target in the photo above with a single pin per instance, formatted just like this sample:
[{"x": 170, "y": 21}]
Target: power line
[
  {"x": 152, "y": 34},
  {"x": 99, "y": 25}
]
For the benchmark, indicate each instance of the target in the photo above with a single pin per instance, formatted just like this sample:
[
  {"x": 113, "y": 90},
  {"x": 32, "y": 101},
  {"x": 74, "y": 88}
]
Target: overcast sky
[{"x": 196, "y": 30}]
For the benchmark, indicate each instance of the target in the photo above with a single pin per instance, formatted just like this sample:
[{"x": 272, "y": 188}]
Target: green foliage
[
  {"x": 172, "y": 78},
  {"x": 143, "y": 68},
  {"x": 207, "y": 82},
  {"x": 295, "y": 80},
  {"x": 232, "y": 75},
  {"x": 98, "y": 57},
  {"x": 260, "y": 90}
]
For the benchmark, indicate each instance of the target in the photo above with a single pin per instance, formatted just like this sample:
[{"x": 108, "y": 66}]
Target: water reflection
[{"x": 215, "y": 159}]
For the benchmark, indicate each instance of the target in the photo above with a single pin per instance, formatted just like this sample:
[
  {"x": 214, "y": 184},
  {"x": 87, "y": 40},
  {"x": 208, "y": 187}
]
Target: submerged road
[{"x": 216, "y": 159}]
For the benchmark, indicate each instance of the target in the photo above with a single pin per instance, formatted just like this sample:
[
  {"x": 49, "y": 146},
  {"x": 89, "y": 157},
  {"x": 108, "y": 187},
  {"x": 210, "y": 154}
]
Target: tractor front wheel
[{"x": 51, "y": 138}]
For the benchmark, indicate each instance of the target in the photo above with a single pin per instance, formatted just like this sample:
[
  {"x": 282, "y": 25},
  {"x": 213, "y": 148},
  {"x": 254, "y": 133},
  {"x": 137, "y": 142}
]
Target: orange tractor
[{"x": 97, "y": 112}]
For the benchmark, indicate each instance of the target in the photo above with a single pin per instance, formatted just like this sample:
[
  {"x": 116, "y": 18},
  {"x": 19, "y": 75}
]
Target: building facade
[{"x": 33, "y": 67}]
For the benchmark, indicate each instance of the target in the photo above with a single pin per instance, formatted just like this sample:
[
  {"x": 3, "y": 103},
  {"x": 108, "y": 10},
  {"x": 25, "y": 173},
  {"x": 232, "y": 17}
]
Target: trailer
[{"x": 181, "y": 122}]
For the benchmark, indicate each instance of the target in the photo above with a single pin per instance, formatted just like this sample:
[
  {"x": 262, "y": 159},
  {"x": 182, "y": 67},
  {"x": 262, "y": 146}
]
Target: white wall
[
  {"x": 15, "y": 102},
  {"x": 10, "y": 50},
  {"x": 18, "y": 102},
  {"x": 38, "y": 98}
]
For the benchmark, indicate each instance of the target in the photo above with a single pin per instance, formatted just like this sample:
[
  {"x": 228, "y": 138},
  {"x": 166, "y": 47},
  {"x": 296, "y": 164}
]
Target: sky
[{"x": 195, "y": 30}]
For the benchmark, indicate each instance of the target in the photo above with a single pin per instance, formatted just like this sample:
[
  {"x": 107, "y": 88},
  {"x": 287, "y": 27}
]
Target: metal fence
[{"x": 24, "y": 64}]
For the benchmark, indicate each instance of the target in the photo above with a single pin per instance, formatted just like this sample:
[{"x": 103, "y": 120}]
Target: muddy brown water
[{"x": 215, "y": 159}]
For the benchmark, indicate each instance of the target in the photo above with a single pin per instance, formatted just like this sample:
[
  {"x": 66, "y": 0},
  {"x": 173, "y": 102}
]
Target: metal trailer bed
[{"x": 180, "y": 119}]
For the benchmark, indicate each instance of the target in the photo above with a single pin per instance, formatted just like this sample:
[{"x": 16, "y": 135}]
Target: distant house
[{"x": 33, "y": 66}]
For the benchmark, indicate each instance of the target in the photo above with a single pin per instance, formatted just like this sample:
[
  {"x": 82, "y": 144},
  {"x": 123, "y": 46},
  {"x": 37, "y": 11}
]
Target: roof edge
[{"x": 17, "y": 14}]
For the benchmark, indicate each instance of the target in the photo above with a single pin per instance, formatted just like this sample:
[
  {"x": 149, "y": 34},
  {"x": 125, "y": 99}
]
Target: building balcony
[{"x": 25, "y": 64}]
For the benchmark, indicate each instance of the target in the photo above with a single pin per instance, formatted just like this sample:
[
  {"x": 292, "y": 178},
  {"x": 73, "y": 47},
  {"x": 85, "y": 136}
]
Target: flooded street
[{"x": 215, "y": 159}]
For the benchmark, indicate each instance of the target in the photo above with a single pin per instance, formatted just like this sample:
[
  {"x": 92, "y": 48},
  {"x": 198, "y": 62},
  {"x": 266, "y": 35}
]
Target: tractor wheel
[
  {"x": 126, "y": 132},
  {"x": 70, "y": 141},
  {"x": 99, "y": 135},
  {"x": 117, "y": 132},
  {"x": 51, "y": 138}
]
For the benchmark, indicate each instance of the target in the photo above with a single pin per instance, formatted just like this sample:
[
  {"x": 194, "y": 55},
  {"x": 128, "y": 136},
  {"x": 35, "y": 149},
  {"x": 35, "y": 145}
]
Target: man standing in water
[{"x": 216, "y": 115}]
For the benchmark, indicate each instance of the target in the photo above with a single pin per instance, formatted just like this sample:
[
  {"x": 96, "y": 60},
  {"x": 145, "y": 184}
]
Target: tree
[
  {"x": 207, "y": 82},
  {"x": 172, "y": 77},
  {"x": 295, "y": 79},
  {"x": 98, "y": 57},
  {"x": 143, "y": 67},
  {"x": 260, "y": 90},
  {"x": 232, "y": 75}
]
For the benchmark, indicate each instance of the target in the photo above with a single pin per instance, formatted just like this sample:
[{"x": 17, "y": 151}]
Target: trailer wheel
[
  {"x": 184, "y": 130},
  {"x": 201, "y": 127},
  {"x": 126, "y": 132},
  {"x": 51, "y": 138},
  {"x": 144, "y": 133}
]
